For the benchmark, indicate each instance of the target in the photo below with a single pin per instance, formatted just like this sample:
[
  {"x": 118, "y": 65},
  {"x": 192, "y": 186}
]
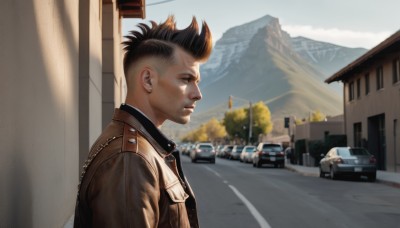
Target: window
[
  {"x": 396, "y": 70},
  {"x": 358, "y": 88},
  {"x": 379, "y": 78},
  {"x": 366, "y": 84},
  {"x": 351, "y": 91},
  {"x": 357, "y": 135}
]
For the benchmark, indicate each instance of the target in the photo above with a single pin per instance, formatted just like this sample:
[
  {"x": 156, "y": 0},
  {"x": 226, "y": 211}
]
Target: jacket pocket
[{"x": 176, "y": 192}]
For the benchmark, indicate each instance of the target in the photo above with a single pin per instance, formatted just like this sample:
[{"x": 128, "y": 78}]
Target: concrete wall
[
  {"x": 114, "y": 85},
  {"x": 316, "y": 130},
  {"x": 90, "y": 75},
  {"x": 384, "y": 101},
  {"x": 39, "y": 59}
]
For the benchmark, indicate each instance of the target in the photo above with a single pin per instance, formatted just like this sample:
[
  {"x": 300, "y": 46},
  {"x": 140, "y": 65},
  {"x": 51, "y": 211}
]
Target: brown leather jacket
[{"x": 131, "y": 180}]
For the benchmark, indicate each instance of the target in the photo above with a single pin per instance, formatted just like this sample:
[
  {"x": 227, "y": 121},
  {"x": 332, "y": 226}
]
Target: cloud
[{"x": 347, "y": 38}]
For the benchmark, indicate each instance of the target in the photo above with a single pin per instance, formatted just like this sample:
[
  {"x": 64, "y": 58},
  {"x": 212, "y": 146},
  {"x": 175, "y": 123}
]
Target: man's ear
[{"x": 146, "y": 79}]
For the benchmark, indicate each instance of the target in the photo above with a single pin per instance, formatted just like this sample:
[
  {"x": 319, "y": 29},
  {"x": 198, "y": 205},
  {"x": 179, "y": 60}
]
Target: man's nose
[{"x": 196, "y": 93}]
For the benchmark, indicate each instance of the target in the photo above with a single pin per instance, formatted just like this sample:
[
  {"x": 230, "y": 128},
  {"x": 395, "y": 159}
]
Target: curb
[{"x": 380, "y": 181}]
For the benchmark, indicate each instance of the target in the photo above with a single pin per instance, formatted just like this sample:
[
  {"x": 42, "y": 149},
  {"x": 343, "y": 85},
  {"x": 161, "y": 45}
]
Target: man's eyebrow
[{"x": 192, "y": 75}]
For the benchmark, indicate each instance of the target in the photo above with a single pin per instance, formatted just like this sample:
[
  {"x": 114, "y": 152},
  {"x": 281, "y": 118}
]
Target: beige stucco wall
[
  {"x": 39, "y": 53},
  {"x": 90, "y": 75},
  {"x": 114, "y": 86},
  {"x": 316, "y": 130},
  {"x": 376, "y": 102}
]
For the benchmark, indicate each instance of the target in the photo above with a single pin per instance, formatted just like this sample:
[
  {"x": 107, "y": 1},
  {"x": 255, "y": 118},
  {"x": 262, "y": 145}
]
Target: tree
[
  {"x": 262, "y": 123},
  {"x": 198, "y": 135},
  {"x": 214, "y": 129},
  {"x": 234, "y": 122},
  {"x": 317, "y": 116},
  {"x": 237, "y": 122},
  {"x": 210, "y": 131}
]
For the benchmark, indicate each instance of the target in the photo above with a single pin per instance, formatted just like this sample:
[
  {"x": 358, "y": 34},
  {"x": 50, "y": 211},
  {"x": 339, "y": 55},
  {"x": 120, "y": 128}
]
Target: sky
[{"x": 349, "y": 23}]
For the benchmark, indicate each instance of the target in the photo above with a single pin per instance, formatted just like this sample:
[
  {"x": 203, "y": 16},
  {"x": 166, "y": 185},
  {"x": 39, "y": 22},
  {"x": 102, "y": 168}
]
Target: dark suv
[{"x": 269, "y": 153}]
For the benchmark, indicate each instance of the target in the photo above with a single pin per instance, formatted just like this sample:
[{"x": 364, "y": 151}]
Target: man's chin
[{"x": 183, "y": 120}]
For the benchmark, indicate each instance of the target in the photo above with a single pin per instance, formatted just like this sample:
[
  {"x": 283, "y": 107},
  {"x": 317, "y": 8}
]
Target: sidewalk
[{"x": 389, "y": 178}]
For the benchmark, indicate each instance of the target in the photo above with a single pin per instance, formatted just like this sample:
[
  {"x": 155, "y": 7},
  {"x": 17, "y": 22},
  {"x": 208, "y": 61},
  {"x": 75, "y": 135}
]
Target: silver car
[
  {"x": 203, "y": 151},
  {"x": 246, "y": 154},
  {"x": 236, "y": 151},
  {"x": 340, "y": 161}
]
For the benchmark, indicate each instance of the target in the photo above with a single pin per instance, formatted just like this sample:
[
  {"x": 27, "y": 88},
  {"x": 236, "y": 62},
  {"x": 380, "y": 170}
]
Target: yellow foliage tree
[
  {"x": 214, "y": 129},
  {"x": 317, "y": 116},
  {"x": 237, "y": 122},
  {"x": 210, "y": 131}
]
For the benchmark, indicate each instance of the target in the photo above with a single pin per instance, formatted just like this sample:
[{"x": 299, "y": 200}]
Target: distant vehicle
[
  {"x": 203, "y": 151},
  {"x": 186, "y": 150},
  {"x": 226, "y": 151},
  {"x": 340, "y": 161},
  {"x": 236, "y": 151},
  {"x": 218, "y": 150},
  {"x": 269, "y": 153},
  {"x": 246, "y": 154}
]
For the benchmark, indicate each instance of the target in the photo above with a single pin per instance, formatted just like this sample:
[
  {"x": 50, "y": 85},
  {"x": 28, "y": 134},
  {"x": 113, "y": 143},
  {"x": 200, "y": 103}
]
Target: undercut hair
[{"x": 159, "y": 40}]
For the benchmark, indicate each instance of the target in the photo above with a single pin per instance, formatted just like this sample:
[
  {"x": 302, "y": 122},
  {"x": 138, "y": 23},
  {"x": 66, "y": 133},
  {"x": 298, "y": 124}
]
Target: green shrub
[
  {"x": 316, "y": 148},
  {"x": 335, "y": 141},
  {"x": 300, "y": 149}
]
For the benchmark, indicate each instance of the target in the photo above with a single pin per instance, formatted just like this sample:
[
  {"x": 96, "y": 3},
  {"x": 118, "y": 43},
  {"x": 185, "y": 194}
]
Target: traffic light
[
  {"x": 287, "y": 122},
  {"x": 230, "y": 102}
]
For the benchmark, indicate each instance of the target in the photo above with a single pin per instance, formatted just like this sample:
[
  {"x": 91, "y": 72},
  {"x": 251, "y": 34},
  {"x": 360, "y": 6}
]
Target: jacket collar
[{"x": 149, "y": 127}]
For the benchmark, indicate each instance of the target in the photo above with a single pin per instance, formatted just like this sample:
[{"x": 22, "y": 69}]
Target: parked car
[
  {"x": 352, "y": 161},
  {"x": 269, "y": 153},
  {"x": 218, "y": 150},
  {"x": 236, "y": 151},
  {"x": 203, "y": 151},
  {"x": 226, "y": 151},
  {"x": 188, "y": 149},
  {"x": 246, "y": 154}
]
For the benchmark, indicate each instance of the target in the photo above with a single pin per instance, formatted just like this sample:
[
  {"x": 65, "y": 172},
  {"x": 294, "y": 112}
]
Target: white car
[{"x": 246, "y": 154}]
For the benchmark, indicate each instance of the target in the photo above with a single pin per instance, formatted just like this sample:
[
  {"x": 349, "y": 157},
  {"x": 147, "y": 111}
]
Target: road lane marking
[
  {"x": 213, "y": 171},
  {"x": 260, "y": 219}
]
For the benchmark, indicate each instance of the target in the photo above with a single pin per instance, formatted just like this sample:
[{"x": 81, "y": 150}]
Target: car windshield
[
  {"x": 250, "y": 149},
  {"x": 239, "y": 148},
  {"x": 345, "y": 152},
  {"x": 272, "y": 148},
  {"x": 205, "y": 147}
]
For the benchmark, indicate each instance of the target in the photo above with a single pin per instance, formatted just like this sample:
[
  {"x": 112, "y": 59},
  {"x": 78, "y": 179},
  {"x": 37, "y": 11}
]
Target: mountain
[
  {"x": 258, "y": 61},
  {"x": 326, "y": 57}
]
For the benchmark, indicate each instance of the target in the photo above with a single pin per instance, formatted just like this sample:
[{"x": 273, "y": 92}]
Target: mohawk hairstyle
[{"x": 159, "y": 40}]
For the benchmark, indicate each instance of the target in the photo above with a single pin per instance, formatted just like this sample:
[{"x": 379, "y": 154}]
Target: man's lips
[{"x": 190, "y": 107}]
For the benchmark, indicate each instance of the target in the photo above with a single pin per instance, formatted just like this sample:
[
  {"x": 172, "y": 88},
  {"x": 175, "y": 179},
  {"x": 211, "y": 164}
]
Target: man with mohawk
[{"x": 131, "y": 178}]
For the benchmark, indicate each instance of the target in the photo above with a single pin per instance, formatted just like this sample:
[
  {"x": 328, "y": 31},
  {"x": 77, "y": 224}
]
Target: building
[
  {"x": 61, "y": 76},
  {"x": 372, "y": 102},
  {"x": 318, "y": 130}
]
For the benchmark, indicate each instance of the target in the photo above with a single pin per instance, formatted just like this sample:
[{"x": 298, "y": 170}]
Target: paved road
[{"x": 232, "y": 194}]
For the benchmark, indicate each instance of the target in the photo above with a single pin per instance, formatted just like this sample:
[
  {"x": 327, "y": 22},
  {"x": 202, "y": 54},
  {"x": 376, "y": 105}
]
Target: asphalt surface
[{"x": 233, "y": 194}]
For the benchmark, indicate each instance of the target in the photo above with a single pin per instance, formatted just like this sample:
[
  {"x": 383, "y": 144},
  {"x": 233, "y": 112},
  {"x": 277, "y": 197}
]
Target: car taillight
[
  {"x": 372, "y": 160},
  {"x": 281, "y": 153},
  {"x": 339, "y": 160},
  {"x": 213, "y": 151}
]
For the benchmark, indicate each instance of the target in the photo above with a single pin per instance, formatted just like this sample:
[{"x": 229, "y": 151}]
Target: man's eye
[{"x": 186, "y": 79}]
